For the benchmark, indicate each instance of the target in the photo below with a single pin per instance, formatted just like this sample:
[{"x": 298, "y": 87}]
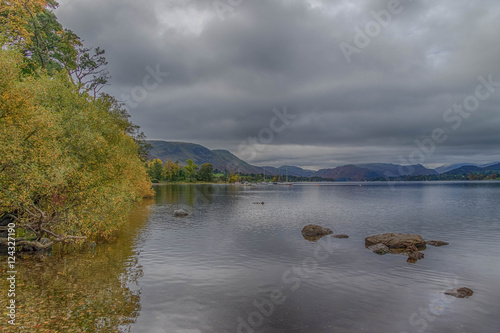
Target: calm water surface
[
  {"x": 221, "y": 268},
  {"x": 236, "y": 266}
]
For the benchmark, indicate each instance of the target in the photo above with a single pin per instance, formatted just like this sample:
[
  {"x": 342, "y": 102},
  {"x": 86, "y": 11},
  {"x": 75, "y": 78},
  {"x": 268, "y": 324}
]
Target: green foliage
[
  {"x": 155, "y": 169},
  {"x": 205, "y": 174},
  {"x": 190, "y": 169}
]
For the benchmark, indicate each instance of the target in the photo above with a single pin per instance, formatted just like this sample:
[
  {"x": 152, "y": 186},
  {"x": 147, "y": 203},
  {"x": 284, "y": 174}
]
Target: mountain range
[{"x": 225, "y": 160}]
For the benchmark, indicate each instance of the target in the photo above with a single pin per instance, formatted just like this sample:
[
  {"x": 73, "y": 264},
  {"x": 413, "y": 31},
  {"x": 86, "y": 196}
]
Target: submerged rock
[
  {"x": 379, "y": 248},
  {"x": 313, "y": 232},
  {"x": 396, "y": 241},
  {"x": 460, "y": 292},
  {"x": 180, "y": 213},
  {"x": 340, "y": 236},
  {"x": 437, "y": 243}
]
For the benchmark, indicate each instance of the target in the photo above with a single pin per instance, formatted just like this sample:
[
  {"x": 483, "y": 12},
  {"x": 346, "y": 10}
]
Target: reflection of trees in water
[
  {"x": 81, "y": 292},
  {"x": 191, "y": 195}
]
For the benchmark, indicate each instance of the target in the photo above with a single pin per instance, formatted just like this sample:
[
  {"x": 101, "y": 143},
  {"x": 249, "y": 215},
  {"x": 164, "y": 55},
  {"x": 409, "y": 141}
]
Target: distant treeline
[{"x": 174, "y": 172}]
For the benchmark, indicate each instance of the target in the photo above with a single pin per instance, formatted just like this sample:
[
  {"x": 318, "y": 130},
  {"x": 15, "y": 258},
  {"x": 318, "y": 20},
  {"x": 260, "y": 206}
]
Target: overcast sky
[{"x": 360, "y": 87}]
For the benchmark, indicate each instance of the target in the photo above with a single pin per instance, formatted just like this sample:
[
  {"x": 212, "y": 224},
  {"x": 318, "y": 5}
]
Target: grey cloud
[{"x": 227, "y": 75}]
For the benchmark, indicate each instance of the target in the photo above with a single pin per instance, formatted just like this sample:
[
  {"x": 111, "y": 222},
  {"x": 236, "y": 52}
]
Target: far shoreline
[{"x": 338, "y": 182}]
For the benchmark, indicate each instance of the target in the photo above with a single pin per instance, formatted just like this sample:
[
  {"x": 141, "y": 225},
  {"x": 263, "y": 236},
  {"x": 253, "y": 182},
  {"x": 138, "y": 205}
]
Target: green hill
[{"x": 182, "y": 151}]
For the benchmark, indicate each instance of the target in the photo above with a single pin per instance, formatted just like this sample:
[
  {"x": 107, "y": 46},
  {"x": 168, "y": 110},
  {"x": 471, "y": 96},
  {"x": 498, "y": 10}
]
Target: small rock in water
[
  {"x": 180, "y": 213},
  {"x": 437, "y": 243},
  {"x": 314, "y": 232},
  {"x": 460, "y": 292},
  {"x": 379, "y": 248},
  {"x": 413, "y": 254},
  {"x": 340, "y": 236}
]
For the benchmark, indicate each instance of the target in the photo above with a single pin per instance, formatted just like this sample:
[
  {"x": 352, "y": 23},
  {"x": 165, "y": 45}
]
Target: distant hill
[
  {"x": 475, "y": 170},
  {"x": 220, "y": 159},
  {"x": 463, "y": 170},
  {"x": 347, "y": 172},
  {"x": 373, "y": 170},
  {"x": 450, "y": 167},
  {"x": 393, "y": 170},
  {"x": 290, "y": 170},
  {"x": 182, "y": 151}
]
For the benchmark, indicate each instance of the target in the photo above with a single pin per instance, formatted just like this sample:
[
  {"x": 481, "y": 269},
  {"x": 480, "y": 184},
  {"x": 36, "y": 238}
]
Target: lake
[{"x": 236, "y": 265}]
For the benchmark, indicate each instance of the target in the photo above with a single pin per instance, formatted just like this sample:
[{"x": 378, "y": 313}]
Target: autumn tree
[
  {"x": 233, "y": 178},
  {"x": 170, "y": 170}
]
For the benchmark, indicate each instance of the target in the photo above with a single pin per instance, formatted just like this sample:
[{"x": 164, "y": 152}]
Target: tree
[
  {"x": 32, "y": 27},
  {"x": 171, "y": 170},
  {"x": 14, "y": 20},
  {"x": 155, "y": 170},
  {"x": 233, "y": 178},
  {"x": 190, "y": 169},
  {"x": 205, "y": 174},
  {"x": 121, "y": 117}
]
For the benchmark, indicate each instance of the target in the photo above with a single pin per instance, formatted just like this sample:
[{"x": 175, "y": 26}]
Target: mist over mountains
[{"x": 224, "y": 160}]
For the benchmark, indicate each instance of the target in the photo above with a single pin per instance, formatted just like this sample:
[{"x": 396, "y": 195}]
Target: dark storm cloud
[{"x": 226, "y": 76}]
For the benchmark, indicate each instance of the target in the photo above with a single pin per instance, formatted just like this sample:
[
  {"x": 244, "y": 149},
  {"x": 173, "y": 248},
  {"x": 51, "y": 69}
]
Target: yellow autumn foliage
[
  {"x": 14, "y": 15},
  {"x": 67, "y": 165}
]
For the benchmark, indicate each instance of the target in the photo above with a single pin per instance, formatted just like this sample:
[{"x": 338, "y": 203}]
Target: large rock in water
[
  {"x": 314, "y": 232},
  {"x": 396, "y": 241}
]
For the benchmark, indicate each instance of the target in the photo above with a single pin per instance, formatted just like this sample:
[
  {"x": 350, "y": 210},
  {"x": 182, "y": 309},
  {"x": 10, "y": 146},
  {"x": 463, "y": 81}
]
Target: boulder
[
  {"x": 314, "y": 232},
  {"x": 437, "y": 243},
  {"x": 379, "y": 248},
  {"x": 460, "y": 292},
  {"x": 340, "y": 236},
  {"x": 396, "y": 241},
  {"x": 180, "y": 213}
]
